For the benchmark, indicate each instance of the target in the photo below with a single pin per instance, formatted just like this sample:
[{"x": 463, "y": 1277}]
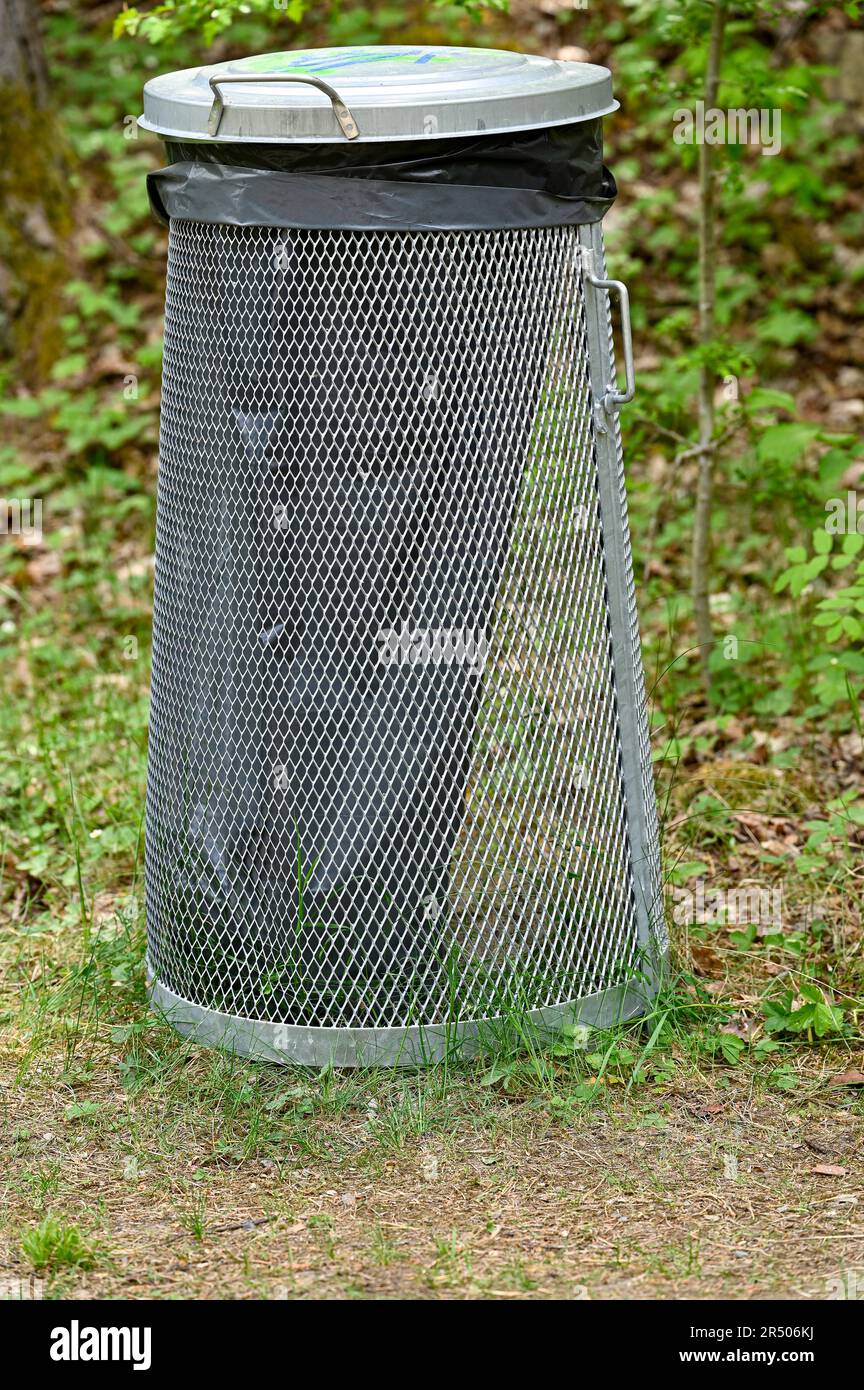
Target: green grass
[{"x": 53, "y": 1245}]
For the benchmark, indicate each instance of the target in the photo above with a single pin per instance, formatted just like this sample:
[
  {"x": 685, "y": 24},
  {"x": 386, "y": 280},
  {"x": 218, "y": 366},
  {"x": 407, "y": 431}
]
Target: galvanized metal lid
[{"x": 378, "y": 93}]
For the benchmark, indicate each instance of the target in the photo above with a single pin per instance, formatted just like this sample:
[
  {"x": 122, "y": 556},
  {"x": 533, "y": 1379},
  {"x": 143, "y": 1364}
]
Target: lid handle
[{"x": 346, "y": 121}]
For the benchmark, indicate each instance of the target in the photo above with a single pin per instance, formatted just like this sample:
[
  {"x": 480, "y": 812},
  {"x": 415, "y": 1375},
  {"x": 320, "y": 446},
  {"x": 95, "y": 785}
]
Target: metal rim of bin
[{"x": 425, "y": 1045}]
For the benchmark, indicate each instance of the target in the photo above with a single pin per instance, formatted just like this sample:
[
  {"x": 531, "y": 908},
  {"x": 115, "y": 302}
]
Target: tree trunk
[
  {"x": 21, "y": 59},
  {"x": 701, "y": 556},
  {"x": 35, "y": 199}
]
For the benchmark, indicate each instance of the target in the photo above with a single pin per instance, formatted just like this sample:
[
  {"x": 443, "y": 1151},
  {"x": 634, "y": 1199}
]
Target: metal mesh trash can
[{"x": 399, "y": 788}]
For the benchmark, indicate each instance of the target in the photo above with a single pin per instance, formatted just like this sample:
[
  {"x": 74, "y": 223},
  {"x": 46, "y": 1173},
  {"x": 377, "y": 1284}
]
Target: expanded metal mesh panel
[
  {"x": 650, "y": 850},
  {"x": 385, "y": 784}
]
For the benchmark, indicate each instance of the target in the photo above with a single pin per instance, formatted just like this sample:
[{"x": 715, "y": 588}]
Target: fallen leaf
[
  {"x": 705, "y": 959},
  {"x": 820, "y": 1146},
  {"x": 741, "y": 1027},
  {"x": 851, "y": 745},
  {"x": 777, "y": 847},
  {"x": 829, "y": 1170},
  {"x": 47, "y": 565}
]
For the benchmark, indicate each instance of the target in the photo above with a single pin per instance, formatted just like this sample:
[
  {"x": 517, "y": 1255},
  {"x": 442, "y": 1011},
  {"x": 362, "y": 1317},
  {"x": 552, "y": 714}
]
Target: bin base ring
[{"x": 409, "y": 1046}]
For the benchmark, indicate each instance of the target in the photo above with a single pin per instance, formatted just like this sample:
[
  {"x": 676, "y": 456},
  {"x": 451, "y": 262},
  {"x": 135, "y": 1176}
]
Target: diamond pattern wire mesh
[{"x": 384, "y": 780}]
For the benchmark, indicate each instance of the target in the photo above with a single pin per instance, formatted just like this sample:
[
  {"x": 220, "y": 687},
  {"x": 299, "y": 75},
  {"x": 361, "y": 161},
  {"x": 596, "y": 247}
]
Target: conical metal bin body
[{"x": 399, "y": 782}]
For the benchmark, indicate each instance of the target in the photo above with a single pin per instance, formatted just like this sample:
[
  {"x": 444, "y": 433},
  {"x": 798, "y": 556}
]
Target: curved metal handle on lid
[{"x": 347, "y": 123}]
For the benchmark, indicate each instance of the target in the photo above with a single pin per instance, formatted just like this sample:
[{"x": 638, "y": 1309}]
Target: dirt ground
[{"x": 417, "y": 1187}]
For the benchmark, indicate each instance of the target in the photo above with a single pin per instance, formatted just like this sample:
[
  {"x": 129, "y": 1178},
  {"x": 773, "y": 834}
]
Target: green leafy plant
[{"x": 805, "y": 1012}]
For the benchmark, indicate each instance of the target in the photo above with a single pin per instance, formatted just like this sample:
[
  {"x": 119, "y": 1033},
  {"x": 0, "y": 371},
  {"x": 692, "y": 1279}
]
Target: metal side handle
[
  {"x": 345, "y": 119},
  {"x": 614, "y": 398}
]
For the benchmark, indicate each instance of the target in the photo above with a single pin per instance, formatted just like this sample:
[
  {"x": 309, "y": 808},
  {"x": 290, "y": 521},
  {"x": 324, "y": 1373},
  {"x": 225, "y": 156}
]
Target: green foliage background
[{"x": 789, "y": 594}]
